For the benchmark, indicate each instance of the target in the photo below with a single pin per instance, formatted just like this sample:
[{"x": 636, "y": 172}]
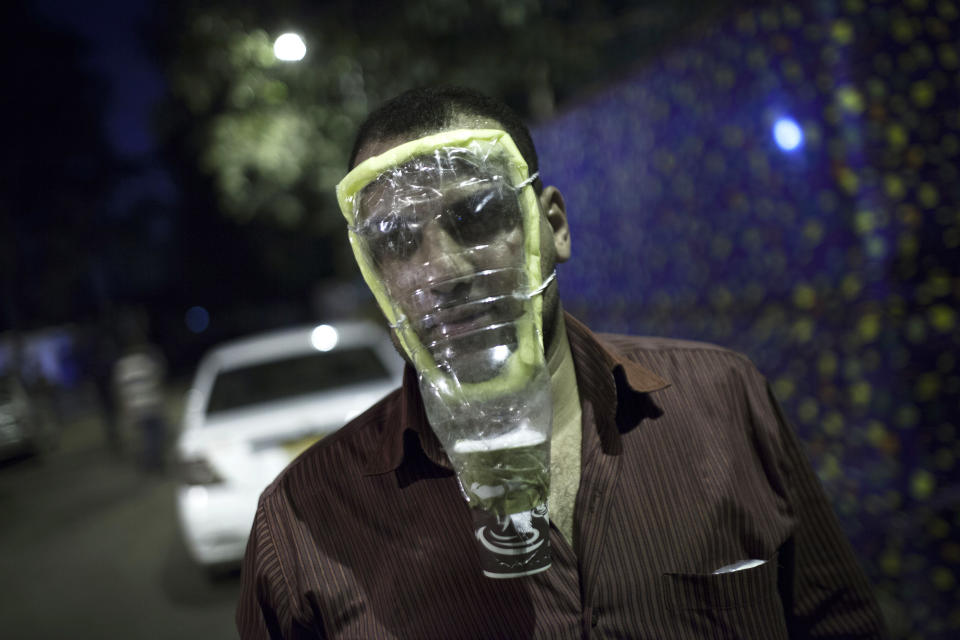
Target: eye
[
  {"x": 391, "y": 237},
  {"x": 481, "y": 216}
]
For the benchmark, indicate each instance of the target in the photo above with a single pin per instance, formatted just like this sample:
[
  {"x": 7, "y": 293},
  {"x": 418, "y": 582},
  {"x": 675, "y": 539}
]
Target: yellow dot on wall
[
  {"x": 792, "y": 17},
  {"x": 842, "y": 32},
  {"x": 928, "y": 195},
  {"x": 757, "y": 58},
  {"x": 890, "y": 562},
  {"x": 720, "y": 247},
  {"x": 876, "y": 246},
  {"x": 791, "y": 70},
  {"x": 944, "y": 459},
  {"x": 732, "y": 136},
  {"x": 721, "y": 298},
  {"x": 854, "y": 6},
  {"x": 942, "y": 318},
  {"x": 916, "y": 329},
  {"x": 923, "y": 94},
  {"x": 943, "y": 578},
  {"x": 939, "y": 528},
  {"x": 783, "y": 388},
  {"x": 907, "y": 416},
  {"x": 939, "y": 284},
  {"x": 850, "y": 99},
  {"x": 808, "y": 410},
  {"x": 833, "y": 423},
  {"x": 897, "y": 135},
  {"x": 830, "y": 467},
  {"x": 949, "y": 59},
  {"x": 848, "y": 181},
  {"x": 948, "y": 9},
  {"x": 877, "y": 433},
  {"x": 851, "y": 285},
  {"x": 927, "y": 387},
  {"x": 868, "y": 328},
  {"x": 908, "y": 244},
  {"x": 770, "y": 20},
  {"x": 894, "y": 186},
  {"x": 804, "y": 296},
  {"x": 813, "y": 231},
  {"x": 922, "y": 484},
  {"x": 802, "y": 330},
  {"x": 725, "y": 77},
  {"x": 860, "y": 393},
  {"x": 901, "y": 30},
  {"x": 827, "y": 364},
  {"x": 746, "y": 24},
  {"x": 864, "y": 221}
]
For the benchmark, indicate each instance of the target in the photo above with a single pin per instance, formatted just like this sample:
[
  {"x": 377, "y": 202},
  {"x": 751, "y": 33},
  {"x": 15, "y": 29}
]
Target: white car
[{"x": 257, "y": 403}]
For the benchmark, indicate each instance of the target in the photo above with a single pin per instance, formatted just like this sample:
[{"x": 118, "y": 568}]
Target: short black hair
[{"x": 419, "y": 112}]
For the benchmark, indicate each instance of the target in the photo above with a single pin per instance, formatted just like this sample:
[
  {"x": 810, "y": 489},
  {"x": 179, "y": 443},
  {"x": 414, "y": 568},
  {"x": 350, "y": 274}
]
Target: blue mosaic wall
[{"x": 833, "y": 265}]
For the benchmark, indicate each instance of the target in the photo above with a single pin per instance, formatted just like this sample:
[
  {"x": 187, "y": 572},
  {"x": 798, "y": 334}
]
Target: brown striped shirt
[{"x": 366, "y": 535}]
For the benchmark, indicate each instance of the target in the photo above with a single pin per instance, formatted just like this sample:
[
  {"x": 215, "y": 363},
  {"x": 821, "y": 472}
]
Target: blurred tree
[{"x": 265, "y": 141}]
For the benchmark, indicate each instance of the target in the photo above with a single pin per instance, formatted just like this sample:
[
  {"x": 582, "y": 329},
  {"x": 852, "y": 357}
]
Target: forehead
[
  {"x": 374, "y": 146},
  {"x": 448, "y": 174}
]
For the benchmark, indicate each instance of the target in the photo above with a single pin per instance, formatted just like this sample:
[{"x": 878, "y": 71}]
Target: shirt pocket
[{"x": 738, "y": 604}]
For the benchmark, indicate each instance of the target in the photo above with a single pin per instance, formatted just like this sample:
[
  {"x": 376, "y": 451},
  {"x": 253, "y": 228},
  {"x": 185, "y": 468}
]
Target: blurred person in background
[
  {"x": 102, "y": 354},
  {"x": 138, "y": 376},
  {"x": 681, "y": 503}
]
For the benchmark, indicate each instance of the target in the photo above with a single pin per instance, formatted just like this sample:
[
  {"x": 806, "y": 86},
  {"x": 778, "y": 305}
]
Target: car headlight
[{"x": 197, "y": 470}]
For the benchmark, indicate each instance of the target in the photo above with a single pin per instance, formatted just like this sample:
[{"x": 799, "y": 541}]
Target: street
[{"x": 91, "y": 550}]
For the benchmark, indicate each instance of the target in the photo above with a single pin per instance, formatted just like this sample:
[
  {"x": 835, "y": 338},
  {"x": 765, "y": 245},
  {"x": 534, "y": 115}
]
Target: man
[{"x": 680, "y": 502}]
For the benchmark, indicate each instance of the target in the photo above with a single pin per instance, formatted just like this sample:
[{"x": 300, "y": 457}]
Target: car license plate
[{"x": 298, "y": 445}]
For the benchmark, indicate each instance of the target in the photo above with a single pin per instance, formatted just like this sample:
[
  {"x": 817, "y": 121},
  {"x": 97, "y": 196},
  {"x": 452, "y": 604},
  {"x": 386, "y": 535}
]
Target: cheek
[
  {"x": 504, "y": 252},
  {"x": 505, "y": 255},
  {"x": 505, "y": 258},
  {"x": 398, "y": 279}
]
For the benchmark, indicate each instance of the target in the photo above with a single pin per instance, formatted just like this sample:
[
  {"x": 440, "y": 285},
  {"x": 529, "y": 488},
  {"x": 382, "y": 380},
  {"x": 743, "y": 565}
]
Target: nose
[{"x": 447, "y": 267}]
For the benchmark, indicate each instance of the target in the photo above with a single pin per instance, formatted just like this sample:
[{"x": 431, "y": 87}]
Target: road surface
[{"x": 90, "y": 549}]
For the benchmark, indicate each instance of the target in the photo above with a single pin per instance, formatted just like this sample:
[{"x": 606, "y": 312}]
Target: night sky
[{"x": 111, "y": 29}]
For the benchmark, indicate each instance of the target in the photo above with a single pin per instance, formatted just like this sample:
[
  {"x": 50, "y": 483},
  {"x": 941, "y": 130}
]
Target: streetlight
[{"x": 289, "y": 47}]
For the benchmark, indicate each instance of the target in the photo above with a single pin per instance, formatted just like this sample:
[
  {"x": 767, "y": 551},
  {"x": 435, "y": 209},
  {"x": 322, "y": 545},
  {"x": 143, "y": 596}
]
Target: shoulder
[{"x": 666, "y": 356}]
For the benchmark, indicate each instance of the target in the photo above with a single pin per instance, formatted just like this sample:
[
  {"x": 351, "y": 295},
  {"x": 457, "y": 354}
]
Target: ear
[{"x": 551, "y": 201}]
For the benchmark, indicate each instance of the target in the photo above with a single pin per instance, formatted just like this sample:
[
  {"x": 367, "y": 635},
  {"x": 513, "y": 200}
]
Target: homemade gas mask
[{"x": 446, "y": 231}]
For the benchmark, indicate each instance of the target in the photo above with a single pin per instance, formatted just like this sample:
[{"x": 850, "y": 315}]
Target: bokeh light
[
  {"x": 289, "y": 47},
  {"x": 324, "y": 337},
  {"x": 787, "y": 134},
  {"x": 197, "y": 319}
]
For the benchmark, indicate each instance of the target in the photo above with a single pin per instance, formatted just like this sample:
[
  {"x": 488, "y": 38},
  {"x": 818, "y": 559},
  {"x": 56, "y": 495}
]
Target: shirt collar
[
  {"x": 591, "y": 347},
  {"x": 604, "y": 377}
]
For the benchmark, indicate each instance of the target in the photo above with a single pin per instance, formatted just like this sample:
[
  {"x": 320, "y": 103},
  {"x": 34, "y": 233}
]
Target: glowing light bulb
[
  {"x": 289, "y": 47},
  {"x": 787, "y": 134}
]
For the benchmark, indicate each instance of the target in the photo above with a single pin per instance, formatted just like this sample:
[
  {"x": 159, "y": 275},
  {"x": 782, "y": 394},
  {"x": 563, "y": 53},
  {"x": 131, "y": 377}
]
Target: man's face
[
  {"x": 449, "y": 249},
  {"x": 446, "y": 235}
]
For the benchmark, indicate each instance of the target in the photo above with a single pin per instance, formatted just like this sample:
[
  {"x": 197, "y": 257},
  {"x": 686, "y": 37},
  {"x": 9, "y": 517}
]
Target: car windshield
[{"x": 295, "y": 376}]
